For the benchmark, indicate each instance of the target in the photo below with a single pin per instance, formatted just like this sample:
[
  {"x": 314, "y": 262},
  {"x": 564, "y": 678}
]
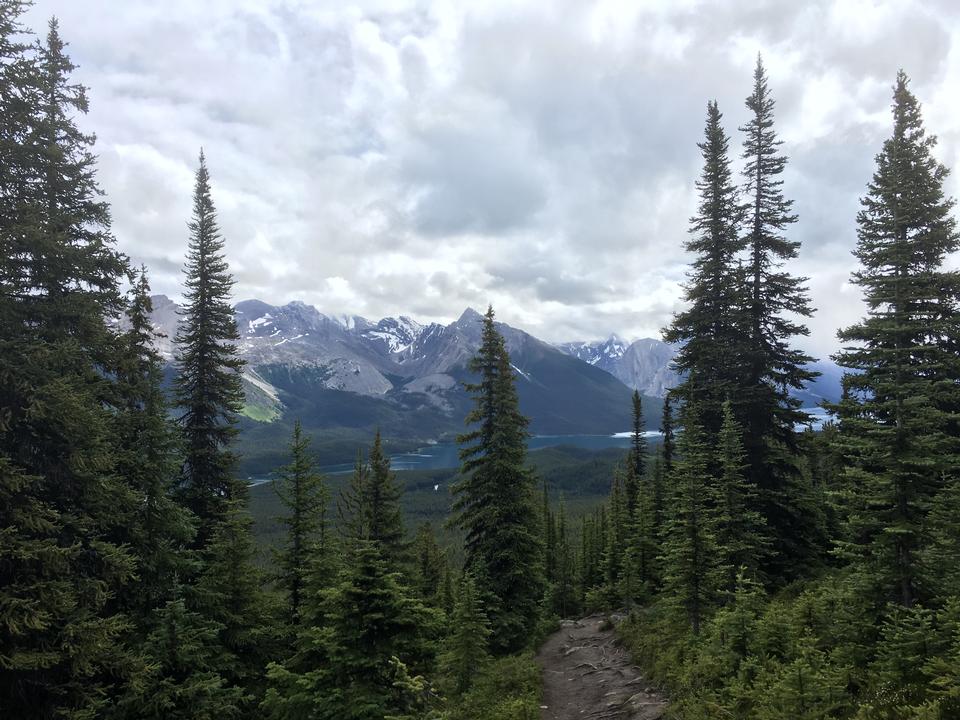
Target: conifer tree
[
  {"x": 564, "y": 598},
  {"x": 466, "y": 646},
  {"x": 495, "y": 503},
  {"x": 384, "y": 519},
  {"x": 356, "y": 666},
  {"x": 616, "y": 540},
  {"x": 708, "y": 331},
  {"x": 430, "y": 565},
  {"x": 740, "y": 530},
  {"x": 230, "y": 594},
  {"x": 183, "y": 681},
  {"x": 637, "y": 457},
  {"x": 774, "y": 298},
  {"x": 351, "y": 503},
  {"x": 63, "y": 505},
  {"x": 898, "y": 413},
  {"x": 666, "y": 429},
  {"x": 689, "y": 553},
  {"x": 304, "y": 496},
  {"x": 158, "y": 528},
  {"x": 209, "y": 387}
]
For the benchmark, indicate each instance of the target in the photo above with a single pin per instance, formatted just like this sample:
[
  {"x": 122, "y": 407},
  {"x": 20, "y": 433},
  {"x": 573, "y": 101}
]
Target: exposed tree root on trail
[{"x": 588, "y": 676}]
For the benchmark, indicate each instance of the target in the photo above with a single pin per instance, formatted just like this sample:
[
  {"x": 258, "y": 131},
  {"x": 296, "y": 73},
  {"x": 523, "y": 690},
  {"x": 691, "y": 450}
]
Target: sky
[{"x": 385, "y": 157}]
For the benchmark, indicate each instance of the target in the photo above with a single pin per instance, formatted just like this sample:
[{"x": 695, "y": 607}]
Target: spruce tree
[
  {"x": 637, "y": 457},
  {"x": 158, "y": 529},
  {"x": 689, "y": 552},
  {"x": 466, "y": 646},
  {"x": 898, "y": 413},
  {"x": 183, "y": 681},
  {"x": 208, "y": 384},
  {"x": 229, "y": 593},
  {"x": 740, "y": 530},
  {"x": 63, "y": 504},
  {"x": 357, "y": 665},
  {"x": 708, "y": 331},
  {"x": 495, "y": 504},
  {"x": 666, "y": 430},
  {"x": 351, "y": 516},
  {"x": 304, "y": 496},
  {"x": 771, "y": 368},
  {"x": 384, "y": 519},
  {"x": 430, "y": 565}
]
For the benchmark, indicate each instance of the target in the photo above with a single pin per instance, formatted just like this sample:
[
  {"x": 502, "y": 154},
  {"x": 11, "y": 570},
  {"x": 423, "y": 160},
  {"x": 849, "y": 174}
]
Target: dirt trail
[{"x": 588, "y": 676}]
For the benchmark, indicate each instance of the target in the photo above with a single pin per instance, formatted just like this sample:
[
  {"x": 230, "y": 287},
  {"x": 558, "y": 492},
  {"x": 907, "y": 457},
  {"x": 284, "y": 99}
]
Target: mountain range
[{"x": 345, "y": 376}]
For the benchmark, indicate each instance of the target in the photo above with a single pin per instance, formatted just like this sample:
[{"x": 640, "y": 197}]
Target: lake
[{"x": 444, "y": 455}]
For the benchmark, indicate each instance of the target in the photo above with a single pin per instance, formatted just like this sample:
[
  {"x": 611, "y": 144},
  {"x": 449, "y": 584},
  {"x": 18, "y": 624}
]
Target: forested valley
[{"x": 760, "y": 566}]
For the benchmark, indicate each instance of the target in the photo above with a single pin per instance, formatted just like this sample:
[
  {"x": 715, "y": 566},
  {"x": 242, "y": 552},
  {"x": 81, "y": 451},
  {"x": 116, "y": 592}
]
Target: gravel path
[{"x": 588, "y": 676}]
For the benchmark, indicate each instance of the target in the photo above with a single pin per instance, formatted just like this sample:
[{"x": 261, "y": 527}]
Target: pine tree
[
  {"x": 709, "y": 330},
  {"x": 230, "y": 594},
  {"x": 466, "y": 646},
  {"x": 898, "y": 413},
  {"x": 615, "y": 545},
  {"x": 774, "y": 297},
  {"x": 637, "y": 457},
  {"x": 63, "y": 505},
  {"x": 430, "y": 565},
  {"x": 495, "y": 503},
  {"x": 740, "y": 530},
  {"x": 351, "y": 503},
  {"x": 158, "y": 529},
  {"x": 208, "y": 384},
  {"x": 357, "y": 666},
  {"x": 666, "y": 430},
  {"x": 384, "y": 519},
  {"x": 563, "y": 591},
  {"x": 183, "y": 681},
  {"x": 304, "y": 496},
  {"x": 689, "y": 553}
]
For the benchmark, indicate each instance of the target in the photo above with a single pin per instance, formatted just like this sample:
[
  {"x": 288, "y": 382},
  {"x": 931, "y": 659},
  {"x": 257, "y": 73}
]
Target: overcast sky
[{"x": 418, "y": 157}]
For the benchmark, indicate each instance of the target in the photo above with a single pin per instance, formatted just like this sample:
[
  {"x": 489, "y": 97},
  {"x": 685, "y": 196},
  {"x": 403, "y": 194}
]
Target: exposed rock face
[{"x": 644, "y": 365}]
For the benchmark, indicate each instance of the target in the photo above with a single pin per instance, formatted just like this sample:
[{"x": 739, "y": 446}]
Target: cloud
[{"x": 387, "y": 157}]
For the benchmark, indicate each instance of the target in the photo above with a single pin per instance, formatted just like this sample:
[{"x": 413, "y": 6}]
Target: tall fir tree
[
  {"x": 61, "y": 633},
  {"x": 304, "y": 496},
  {"x": 898, "y": 415},
  {"x": 159, "y": 528},
  {"x": 229, "y": 593},
  {"x": 741, "y": 534},
  {"x": 689, "y": 550},
  {"x": 495, "y": 504},
  {"x": 357, "y": 666},
  {"x": 709, "y": 330},
  {"x": 774, "y": 300},
  {"x": 208, "y": 384},
  {"x": 637, "y": 456},
  {"x": 466, "y": 645},
  {"x": 384, "y": 518}
]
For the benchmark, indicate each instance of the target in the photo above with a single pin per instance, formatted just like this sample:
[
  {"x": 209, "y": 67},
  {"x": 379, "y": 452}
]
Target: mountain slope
[{"x": 345, "y": 377}]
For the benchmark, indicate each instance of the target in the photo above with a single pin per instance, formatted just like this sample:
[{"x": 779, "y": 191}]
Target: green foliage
[
  {"x": 899, "y": 412},
  {"x": 504, "y": 689},
  {"x": 357, "y": 665},
  {"x": 183, "y": 681},
  {"x": 208, "y": 383},
  {"x": 466, "y": 645},
  {"x": 494, "y": 499},
  {"x": 304, "y": 496},
  {"x": 690, "y": 555}
]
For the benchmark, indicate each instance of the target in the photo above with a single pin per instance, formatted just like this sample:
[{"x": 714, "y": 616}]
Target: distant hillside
[
  {"x": 646, "y": 365},
  {"x": 346, "y": 377}
]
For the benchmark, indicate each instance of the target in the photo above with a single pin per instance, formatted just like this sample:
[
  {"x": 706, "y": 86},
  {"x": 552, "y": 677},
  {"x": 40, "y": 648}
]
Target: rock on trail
[{"x": 588, "y": 676}]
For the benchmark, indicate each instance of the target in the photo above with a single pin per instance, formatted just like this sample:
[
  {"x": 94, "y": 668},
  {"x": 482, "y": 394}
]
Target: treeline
[
  {"x": 772, "y": 571},
  {"x": 130, "y": 585}
]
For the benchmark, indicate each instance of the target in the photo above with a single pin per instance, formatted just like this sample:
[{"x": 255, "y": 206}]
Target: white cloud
[{"x": 416, "y": 157}]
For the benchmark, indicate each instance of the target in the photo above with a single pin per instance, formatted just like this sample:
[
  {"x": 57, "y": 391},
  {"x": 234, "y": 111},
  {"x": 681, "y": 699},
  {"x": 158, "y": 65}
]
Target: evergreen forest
[{"x": 758, "y": 565}]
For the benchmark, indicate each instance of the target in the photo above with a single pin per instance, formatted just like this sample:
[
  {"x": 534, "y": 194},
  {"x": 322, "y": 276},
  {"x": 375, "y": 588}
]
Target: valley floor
[{"x": 587, "y": 675}]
